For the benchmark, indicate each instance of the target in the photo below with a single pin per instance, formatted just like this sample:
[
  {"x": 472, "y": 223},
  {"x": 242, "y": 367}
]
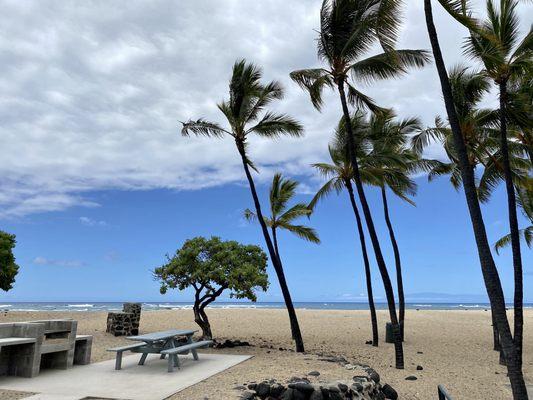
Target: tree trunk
[
  {"x": 397, "y": 260},
  {"x": 373, "y": 317},
  {"x": 200, "y": 317},
  {"x": 276, "y": 248},
  {"x": 276, "y": 262},
  {"x": 398, "y": 347},
  {"x": 495, "y": 334},
  {"x": 513, "y": 224},
  {"x": 488, "y": 268}
]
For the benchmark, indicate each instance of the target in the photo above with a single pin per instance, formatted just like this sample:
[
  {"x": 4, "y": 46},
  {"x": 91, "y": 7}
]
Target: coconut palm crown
[
  {"x": 348, "y": 30},
  {"x": 282, "y": 217}
]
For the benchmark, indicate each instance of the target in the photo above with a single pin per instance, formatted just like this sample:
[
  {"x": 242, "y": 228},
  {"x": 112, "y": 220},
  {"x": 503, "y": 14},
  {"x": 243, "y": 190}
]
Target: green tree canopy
[
  {"x": 211, "y": 266},
  {"x": 8, "y": 268}
]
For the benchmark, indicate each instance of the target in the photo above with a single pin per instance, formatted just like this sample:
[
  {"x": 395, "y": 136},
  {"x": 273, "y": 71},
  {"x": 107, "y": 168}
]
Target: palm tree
[
  {"x": 495, "y": 43},
  {"x": 348, "y": 29},
  {"x": 488, "y": 267},
  {"x": 389, "y": 164},
  {"x": 281, "y": 192},
  {"x": 247, "y": 102},
  {"x": 340, "y": 175},
  {"x": 479, "y": 128}
]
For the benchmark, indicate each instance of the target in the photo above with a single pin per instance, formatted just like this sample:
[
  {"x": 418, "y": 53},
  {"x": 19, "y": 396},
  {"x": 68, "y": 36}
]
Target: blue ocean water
[{"x": 153, "y": 306}]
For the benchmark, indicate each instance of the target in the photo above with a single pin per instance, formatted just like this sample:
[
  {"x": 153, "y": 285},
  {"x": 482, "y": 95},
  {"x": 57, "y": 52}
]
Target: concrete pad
[{"x": 133, "y": 382}]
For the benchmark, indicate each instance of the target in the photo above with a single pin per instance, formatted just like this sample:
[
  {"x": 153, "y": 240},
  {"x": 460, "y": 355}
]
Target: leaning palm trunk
[
  {"x": 513, "y": 224},
  {"x": 373, "y": 317},
  {"x": 398, "y": 347},
  {"x": 488, "y": 267},
  {"x": 495, "y": 334},
  {"x": 397, "y": 261},
  {"x": 295, "y": 328}
]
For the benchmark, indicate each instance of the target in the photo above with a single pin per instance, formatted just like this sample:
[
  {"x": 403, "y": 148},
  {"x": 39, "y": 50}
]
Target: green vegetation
[
  {"x": 372, "y": 146},
  {"x": 247, "y": 102},
  {"x": 495, "y": 43},
  {"x": 211, "y": 266},
  {"x": 8, "y": 268}
]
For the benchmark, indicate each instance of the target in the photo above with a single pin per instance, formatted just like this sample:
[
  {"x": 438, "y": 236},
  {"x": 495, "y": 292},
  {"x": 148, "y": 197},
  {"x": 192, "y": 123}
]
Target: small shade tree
[
  {"x": 211, "y": 266},
  {"x": 8, "y": 268}
]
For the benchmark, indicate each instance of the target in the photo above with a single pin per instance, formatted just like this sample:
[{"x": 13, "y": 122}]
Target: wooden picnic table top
[{"x": 156, "y": 336}]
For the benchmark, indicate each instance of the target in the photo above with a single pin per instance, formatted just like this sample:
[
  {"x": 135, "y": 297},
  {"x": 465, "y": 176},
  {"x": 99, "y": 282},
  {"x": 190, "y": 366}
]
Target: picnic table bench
[{"x": 162, "y": 343}]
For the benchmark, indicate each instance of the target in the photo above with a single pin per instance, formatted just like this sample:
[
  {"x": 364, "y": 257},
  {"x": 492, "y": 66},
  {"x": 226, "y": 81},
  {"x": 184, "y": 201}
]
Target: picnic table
[{"x": 163, "y": 343}]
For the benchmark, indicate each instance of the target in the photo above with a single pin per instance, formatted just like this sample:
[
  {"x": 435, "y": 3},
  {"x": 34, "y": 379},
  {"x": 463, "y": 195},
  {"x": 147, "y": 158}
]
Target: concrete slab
[{"x": 133, "y": 382}]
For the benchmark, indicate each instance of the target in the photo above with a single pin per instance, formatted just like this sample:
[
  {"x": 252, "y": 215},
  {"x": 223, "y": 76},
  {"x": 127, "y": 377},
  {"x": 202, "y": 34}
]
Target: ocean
[{"x": 153, "y": 306}]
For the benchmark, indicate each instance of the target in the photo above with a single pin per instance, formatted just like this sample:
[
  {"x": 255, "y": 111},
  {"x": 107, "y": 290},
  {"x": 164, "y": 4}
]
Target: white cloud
[
  {"x": 92, "y": 222},
  {"x": 57, "y": 263},
  {"x": 91, "y": 93}
]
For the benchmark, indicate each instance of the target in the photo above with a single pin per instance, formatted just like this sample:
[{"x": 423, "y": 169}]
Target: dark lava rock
[
  {"x": 288, "y": 394},
  {"x": 389, "y": 392},
  {"x": 357, "y": 387},
  {"x": 252, "y": 386},
  {"x": 373, "y": 375},
  {"x": 303, "y": 387},
  {"x": 419, "y": 352},
  {"x": 368, "y": 342},
  {"x": 343, "y": 388},
  {"x": 276, "y": 390},
  {"x": 314, "y": 373},
  {"x": 263, "y": 390},
  {"x": 411, "y": 378},
  {"x": 317, "y": 395},
  {"x": 419, "y": 368}
]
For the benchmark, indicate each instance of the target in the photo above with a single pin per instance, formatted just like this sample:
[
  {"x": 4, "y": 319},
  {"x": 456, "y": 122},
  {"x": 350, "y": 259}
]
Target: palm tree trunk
[
  {"x": 495, "y": 334},
  {"x": 488, "y": 268},
  {"x": 397, "y": 260},
  {"x": 513, "y": 224},
  {"x": 398, "y": 347},
  {"x": 276, "y": 262},
  {"x": 276, "y": 248},
  {"x": 373, "y": 316}
]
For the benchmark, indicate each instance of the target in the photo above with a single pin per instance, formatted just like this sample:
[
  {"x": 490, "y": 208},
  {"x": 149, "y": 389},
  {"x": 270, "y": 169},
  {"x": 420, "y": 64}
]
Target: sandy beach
[{"x": 454, "y": 348}]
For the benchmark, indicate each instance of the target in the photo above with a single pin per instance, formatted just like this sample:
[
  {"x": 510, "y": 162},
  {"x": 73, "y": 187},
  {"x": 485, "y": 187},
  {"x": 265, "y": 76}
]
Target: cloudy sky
[{"x": 91, "y": 95}]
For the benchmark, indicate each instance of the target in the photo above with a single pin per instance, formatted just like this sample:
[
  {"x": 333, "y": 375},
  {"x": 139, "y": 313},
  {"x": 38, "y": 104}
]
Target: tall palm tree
[
  {"x": 479, "y": 128},
  {"x": 282, "y": 217},
  {"x": 348, "y": 29},
  {"x": 339, "y": 176},
  {"x": 488, "y": 267},
  {"x": 388, "y": 165},
  {"x": 495, "y": 43},
  {"x": 247, "y": 102}
]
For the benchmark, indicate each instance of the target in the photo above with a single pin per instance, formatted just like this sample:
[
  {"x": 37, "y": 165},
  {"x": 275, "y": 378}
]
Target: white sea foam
[
  {"x": 80, "y": 305},
  {"x": 5, "y": 305}
]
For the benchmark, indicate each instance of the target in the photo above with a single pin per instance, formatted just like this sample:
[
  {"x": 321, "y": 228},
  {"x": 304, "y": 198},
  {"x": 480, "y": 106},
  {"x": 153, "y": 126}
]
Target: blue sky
[
  {"x": 97, "y": 184},
  {"x": 106, "y": 253}
]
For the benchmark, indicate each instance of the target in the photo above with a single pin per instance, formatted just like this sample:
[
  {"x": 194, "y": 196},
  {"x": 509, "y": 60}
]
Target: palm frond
[
  {"x": 303, "y": 232},
  {"x": 275, "y": 125},
  {"x": 526, "y": 234},
  {"x": 202, "y": 127},
  {"x": 313, "y": 81}
]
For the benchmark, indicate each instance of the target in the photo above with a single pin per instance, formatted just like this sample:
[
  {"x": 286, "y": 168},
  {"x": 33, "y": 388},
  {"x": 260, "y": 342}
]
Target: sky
[{"x": 98, "y": 185}]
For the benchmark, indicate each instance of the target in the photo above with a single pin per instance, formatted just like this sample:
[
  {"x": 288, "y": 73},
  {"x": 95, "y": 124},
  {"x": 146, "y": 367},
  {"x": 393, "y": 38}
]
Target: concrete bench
[
  {"x": 172, "y": 353},
  {"x": 82, "y": 349},
  {"x": 122, "y": 349}
]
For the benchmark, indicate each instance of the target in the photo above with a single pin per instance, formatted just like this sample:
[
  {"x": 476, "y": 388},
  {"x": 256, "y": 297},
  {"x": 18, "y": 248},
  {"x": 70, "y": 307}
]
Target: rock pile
[
  {"x": 362, "y": 387},
  {"x": 229, "y": 344},
  {"x": 125, "y": 323}
]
